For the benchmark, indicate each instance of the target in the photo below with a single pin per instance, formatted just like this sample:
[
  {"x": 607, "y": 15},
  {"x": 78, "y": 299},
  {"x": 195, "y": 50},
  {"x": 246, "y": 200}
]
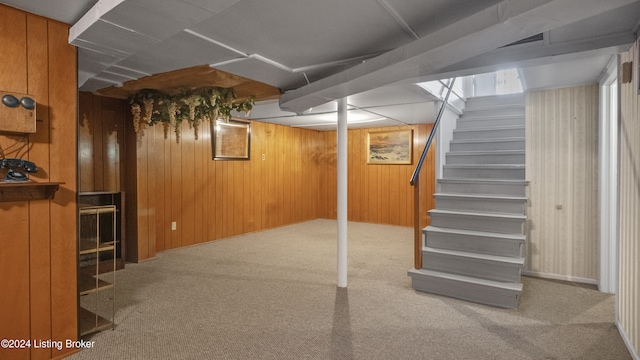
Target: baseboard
[
  {"x": 627, "y": 341},
  {"x": 560, "y": 277}
]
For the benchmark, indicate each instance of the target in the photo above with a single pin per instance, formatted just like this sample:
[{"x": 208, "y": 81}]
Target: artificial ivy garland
[{"x": 150, "y": 107}]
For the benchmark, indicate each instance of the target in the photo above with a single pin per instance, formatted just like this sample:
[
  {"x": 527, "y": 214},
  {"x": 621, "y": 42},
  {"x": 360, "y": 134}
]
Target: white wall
[
  {"x": 608, "y": 149},
  {"x": 445, "y": 134}
]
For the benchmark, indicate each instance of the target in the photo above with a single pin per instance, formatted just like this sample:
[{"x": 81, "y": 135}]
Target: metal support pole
[{"x": 342, "y": 192}]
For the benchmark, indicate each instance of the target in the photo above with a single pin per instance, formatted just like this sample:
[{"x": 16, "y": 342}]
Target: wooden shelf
[
  {"x": 97, "y": 241},
  {"x": 87, "y": 209},
  {"x": 90, "y": 246},
  {"x": 88, "y": 284},
  {"x": 90, "y": 322},
  {"x": 100, "y": 203},
  {"x": 105, "y": 266},
  {"x": 25, "y": 191}
]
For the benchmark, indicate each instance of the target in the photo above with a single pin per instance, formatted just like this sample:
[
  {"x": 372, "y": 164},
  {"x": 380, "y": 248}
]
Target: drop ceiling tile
[
  {"x": 330, "y": 106},
  {"x": 263, "y": 72},
  {"x": 181, "y": 51},
  {"x": 271, "y": 109},
  {"x": 131, "y": 73},
  {"x": 213, "y": 6},
  {"x": 425, "y": 17},
  {"x": 93, "y": 84},
  {"x": 390, "y": 95},
  {"x": 156, "y": 19},
  {"x": 84, "y": 76},
  {"x": 299, "y": 121},
  {"x": 568, "y": 73},
  {"x": 89, "y": 55},
  {"x": 115, "y": 78},
  {"x": 90, "y": 67},
  {"x": 623, "y": 19},
  {"x": 338, "y": 29},
  {"x": 99, "y": 48},
  {"x": 416, "y": 113},
  {"x": 269, "y": 112},
  {"x": 326, "y": 117},
  {"x": 110, "y": 36},
  {"x": 66, "y": 11},
  {"x": 268, "y": 109},
  {"x": 377, "y": 123}
]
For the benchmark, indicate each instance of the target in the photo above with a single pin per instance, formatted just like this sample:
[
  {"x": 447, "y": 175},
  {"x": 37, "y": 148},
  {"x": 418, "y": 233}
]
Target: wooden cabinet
[
  {"x": 97, "y": 245},
  {"x": 103, "y": 198}
]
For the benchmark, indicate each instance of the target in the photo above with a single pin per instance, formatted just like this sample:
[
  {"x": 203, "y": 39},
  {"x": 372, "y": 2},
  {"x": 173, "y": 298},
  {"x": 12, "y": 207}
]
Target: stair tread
[
  {"x": 489, "y": 106},
  {"x": 485, "y": 117},
  {"x": 486, "y": 152},
  {"x": 485, "y": 181},
  {"x": 485, "y": 166},
  {"x": 496, "y": 97},
  {"x": 477, "y": 256},
  {"x": 482, "y": 197},
  {"x": 478, "y": 214},
  {"x": 501, "y": 139},
  {"x": 468, "y": 279},
  {"x": 493, "y": 128},
  {"x": 517, "y": 237},
  {"x": 466, "y": 117}
]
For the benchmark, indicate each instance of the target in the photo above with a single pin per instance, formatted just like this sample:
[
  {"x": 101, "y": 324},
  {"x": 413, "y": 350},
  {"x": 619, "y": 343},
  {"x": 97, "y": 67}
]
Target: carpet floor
[{"x": 273, "y": 295}]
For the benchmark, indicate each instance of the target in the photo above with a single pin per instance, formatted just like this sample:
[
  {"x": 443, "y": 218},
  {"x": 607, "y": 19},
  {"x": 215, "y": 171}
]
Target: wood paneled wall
[
  {"x": 377, "y": 193},
  {"x": 101, "y": 142},
  {"x": 296, "y": 181},
  {"x": 562, "y": 170},
  {"x": 629, "y": 209},
  {"x": 38, "y": 298},
  {"x": 209, "y": 200}
]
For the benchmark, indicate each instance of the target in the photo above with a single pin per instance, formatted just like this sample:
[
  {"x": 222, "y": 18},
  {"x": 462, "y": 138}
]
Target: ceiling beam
[
  {"x": 479, "y": 33},
  {"x": 527, "y": 55},
  {"x": 530, "y": 52}
]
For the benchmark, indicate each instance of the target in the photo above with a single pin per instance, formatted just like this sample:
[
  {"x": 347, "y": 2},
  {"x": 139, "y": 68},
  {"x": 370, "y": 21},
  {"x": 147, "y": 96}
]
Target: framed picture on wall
[
  {"x": 230, "y": 140},
  {"x": 390, "y": 147}
]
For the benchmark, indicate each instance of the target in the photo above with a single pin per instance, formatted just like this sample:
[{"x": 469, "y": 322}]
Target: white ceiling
[{"x": 372, "y": 51}]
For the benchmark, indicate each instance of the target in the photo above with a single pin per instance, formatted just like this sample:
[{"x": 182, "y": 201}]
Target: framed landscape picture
[
  {"x": 231, "y": 140},
  {"x": 390, "y": 147}
]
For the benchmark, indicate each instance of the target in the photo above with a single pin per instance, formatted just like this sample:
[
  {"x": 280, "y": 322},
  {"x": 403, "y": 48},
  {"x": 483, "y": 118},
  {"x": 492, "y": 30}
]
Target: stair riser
[
  {"x": 488, "y": 145},
  {"x": 488, "y": 134},
  {"x": 481, "y": 205},
  {"x": 485, "y": 159},
  {"x": 481, "y": 173},
  {"x": 490, "y": 270},
  {"x": 496, "y": 111},
  {"x": 475, "y": 244},
  {"x": 470, "y": 292},
  {"x": 478, "y": 223},
  {"x": 486, "y": 189},
  {"x": 480, "y": 123},
  {"x": 501, "y": 100}
]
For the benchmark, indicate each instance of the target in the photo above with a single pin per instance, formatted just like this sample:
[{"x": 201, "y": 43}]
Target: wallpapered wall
[{"x": 562, "y": 170}]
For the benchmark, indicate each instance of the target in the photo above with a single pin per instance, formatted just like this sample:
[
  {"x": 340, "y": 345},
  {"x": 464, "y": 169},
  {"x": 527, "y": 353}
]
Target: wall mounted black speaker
[
  {"x": 10, "y": 101},
  {"x": 17, "y": 113}
]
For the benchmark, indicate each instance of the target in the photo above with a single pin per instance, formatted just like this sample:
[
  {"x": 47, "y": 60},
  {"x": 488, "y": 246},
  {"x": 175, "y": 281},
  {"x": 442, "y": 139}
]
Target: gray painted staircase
[{"x": 473, "y": 247}]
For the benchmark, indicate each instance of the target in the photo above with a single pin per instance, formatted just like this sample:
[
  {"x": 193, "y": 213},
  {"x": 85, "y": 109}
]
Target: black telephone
[{"x": 13, "y": 165}]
